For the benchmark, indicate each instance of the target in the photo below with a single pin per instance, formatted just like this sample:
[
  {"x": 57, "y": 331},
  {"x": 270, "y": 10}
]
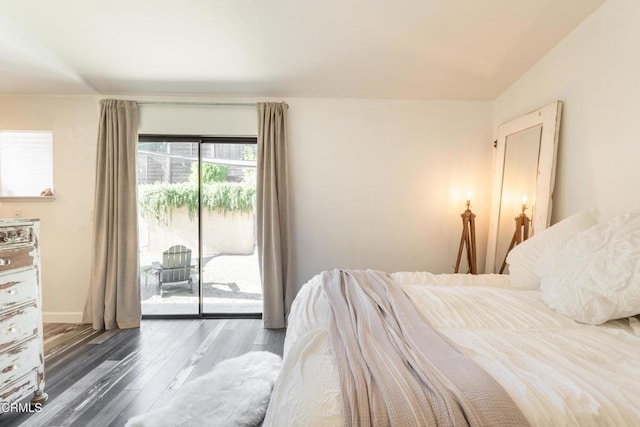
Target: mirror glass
[
  {"x": 520, "y": 174},
  {"x": 524, "y": 172}
]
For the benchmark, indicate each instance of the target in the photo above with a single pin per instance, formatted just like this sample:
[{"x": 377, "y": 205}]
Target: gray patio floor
[{"x": 231, "y": 284}]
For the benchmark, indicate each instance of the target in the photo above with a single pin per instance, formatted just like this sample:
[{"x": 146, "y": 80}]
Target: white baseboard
[{"x": 62, "y": 317}]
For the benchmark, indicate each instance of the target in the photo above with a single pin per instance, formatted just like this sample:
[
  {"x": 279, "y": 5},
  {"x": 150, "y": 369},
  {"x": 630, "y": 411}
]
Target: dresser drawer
[
  {"x": 18, "y": 325},
  {"x": 18, "y": 235},
  {"x": 18, "y": 361},
  {"x": 15, "y": 258},
  {"x": 20, "y": 388},
  {"x": 18, "y": 288}
]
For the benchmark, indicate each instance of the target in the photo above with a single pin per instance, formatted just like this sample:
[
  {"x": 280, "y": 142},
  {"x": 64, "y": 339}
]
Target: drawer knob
[
  {"x": 11, "y": 291},
  {"x": 4, "y": 261},
  {"x": 13, "y": 367},
  {"x": 12, "y": 330}
]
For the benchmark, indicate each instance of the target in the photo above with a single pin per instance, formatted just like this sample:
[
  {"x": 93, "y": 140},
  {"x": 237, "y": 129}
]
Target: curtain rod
[{"x": 230, "y": 104}]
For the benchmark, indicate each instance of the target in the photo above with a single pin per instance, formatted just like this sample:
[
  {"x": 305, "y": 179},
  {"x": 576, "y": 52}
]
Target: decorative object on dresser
[
  {"x": 21, "y": 340},
  {"x": 468, "y": 239}
]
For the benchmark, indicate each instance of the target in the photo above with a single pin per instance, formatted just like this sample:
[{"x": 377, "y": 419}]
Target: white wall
[
  {"x": 594, "y": 71},
  {"x": 201, "y": 120},
  {"x": 66, "y": 223},
  {"x": 372, "y": 181}
]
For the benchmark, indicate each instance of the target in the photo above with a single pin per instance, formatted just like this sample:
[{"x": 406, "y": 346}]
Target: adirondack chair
[{"x": 176, "y": 267}]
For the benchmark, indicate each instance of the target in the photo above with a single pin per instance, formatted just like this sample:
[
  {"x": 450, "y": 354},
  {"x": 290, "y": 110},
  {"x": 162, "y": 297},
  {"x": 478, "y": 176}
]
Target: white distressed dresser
[{"x": 21, "y": 339}]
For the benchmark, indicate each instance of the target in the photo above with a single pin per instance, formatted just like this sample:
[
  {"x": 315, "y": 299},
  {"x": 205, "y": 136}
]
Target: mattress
[{"x": 558, "y": 371}]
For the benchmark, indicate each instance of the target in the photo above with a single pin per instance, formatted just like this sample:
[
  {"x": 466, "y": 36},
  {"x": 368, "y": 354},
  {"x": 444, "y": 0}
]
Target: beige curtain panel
[
  {"x": 274, "y": 241},
  {"x": 114, "y": 300}
]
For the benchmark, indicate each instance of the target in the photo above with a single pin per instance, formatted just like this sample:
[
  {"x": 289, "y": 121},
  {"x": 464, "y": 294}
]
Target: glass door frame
[{"x": 200, "y": 140}]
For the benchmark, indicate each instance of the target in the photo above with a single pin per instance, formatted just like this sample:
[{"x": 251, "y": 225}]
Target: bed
[{"x": 566, "y": 351}]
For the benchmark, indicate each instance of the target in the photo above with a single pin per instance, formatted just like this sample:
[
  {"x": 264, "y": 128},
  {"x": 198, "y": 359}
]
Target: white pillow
[
  {"x": 594, "y": 276},
  {"x": 523, "y": 258}
]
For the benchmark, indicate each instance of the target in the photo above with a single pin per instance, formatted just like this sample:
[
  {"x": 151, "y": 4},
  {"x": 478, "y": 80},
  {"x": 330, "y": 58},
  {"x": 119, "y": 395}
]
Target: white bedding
[{"x": 557, "y": 371}]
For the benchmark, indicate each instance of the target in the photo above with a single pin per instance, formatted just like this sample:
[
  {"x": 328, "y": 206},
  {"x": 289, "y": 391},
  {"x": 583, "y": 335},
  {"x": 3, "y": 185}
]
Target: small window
[{"x": 26, "y": 163}]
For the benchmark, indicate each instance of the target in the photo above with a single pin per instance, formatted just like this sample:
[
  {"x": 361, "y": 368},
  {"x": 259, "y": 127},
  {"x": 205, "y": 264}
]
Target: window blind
[{"x": 26, "y": 162}]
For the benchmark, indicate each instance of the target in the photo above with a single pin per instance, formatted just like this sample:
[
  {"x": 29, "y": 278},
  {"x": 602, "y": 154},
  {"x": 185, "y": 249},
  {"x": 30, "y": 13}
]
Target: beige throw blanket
[{"x": 395, "y": 370}]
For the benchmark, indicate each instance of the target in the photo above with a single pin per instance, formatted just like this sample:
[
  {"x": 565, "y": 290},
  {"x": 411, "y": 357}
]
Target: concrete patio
[{"x": 231, "y": 284}]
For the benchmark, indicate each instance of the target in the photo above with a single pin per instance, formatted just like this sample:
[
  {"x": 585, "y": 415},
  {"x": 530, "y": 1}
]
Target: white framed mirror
[{"x": 523, "y": 178}]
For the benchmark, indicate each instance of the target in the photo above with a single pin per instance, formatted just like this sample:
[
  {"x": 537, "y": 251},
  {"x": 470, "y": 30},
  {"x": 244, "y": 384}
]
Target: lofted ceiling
[{"x": 414, "y": 49}]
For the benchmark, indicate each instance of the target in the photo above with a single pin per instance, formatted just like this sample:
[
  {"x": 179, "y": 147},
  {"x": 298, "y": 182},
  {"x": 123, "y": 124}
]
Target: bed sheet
[{"x": 557, "y": 371}]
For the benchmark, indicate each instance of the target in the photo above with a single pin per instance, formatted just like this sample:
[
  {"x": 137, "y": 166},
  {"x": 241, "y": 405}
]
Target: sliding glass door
[
  {"x": 168, "y": 230},
  {"x": 197, "y": 226},
  {"x": 230, "y": 278}
]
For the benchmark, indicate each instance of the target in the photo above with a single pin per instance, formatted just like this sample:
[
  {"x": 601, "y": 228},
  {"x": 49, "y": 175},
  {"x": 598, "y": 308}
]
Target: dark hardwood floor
[{"x": 104, "y": 378}]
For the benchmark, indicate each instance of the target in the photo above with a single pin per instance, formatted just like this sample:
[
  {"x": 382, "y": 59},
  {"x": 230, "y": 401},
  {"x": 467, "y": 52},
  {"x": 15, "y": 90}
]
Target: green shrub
[
  {"x": 158, "y": 200},
  {"x": 211, "y": 172}
]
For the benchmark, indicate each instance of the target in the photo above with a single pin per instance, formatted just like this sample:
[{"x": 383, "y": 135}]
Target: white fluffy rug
[{"x": 235, "y": 393}]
